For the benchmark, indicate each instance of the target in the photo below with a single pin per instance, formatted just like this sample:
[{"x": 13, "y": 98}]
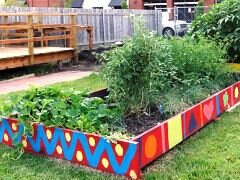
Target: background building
[
  {"x": 45, "y": 3},
  {"x": 91, "y": 4},
  {"x": 151, "y": 4}
]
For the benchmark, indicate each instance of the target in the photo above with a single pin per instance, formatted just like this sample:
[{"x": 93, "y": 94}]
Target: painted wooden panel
[
  {"x": 209, "y": 110},
  {"x": 153, "y": 143},
  {"x": 192, "y": 120},
  {"x": 182, "y": 126},
  {"x": 124, "y": 157},
  {"x": 121, "y": 158},
  {"x": 225, "y": 99},
  {"x": 175, "y": 131},
  {"x": 236, "y": 93}
]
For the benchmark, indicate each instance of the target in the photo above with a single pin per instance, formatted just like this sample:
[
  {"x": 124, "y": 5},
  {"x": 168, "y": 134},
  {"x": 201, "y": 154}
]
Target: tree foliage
[{"x": 221, "y": 23}]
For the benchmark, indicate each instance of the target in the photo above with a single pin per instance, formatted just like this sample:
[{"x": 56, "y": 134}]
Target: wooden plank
[
  {"x": 40, "y": 21},
  {"x": 15, "y": 41},
  {"x": 73, "y": 42},
  {"x": 13, "y": 27},
  {"x": 31, "y": 39},
  {"x": 17, "y": 34},
  {"x": 18, "y": 51},
  {"x": 39, "y": 59},
  {"x": 51, "y": 38},
  {"x": 5, "y": 20}
]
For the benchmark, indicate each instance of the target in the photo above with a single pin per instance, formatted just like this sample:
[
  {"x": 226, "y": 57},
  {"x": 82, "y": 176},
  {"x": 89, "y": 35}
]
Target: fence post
[
  {"x": 40, "y": 29},
  {"x": 30, "y": 39},
  {"x": 104, "y": 33},
  {"x": 175, "y": 10},
  {"x": 4, "y": 34},
  {"x": 156, "y": 20},
  {"x": 160, "y": 22},
  {"x": 73, "y": 38}
]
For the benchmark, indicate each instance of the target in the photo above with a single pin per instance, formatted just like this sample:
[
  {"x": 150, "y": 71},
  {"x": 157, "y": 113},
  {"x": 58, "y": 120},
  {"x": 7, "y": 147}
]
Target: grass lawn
[
  {"x": 89, "y": 84},
  {"x": 212, "y": 153}
]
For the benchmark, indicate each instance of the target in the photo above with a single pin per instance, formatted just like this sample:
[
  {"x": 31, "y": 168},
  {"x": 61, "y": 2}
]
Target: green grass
[
  {"x": 89, "y": 84},
  {"x": 39, "y": 167},
  {"x": 212, "y": 153}
]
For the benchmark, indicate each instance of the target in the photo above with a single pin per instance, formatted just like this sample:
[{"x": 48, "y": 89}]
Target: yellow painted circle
[
  {"x": 91, "y": 141},
  {"x": 59, "y": 150},
  {"x": 5, "y": 137},
  {"x": 119, "y": 150},
  {"x": 133, "y": 175},
  {"x": 79, "y": 156},
  {"x": 105, "y": 163},
  {"x": 14, "y": 126},
  {"x": 68, "y": 137},
  {"x": 150, "y": 146},
  {"x": 24, "y": 142},
  {"x": 49, "y": 134}
]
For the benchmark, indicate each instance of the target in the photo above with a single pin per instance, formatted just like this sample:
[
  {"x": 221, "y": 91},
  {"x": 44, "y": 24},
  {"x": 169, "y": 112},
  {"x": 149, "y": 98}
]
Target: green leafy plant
[
  {"x": 69, "y": 109},
  {"x": 222, "y": 24},
  {"x": 137, "y": 72},
  {"x": 147, "y": 67},
  {"x": 198, "y": 62}
]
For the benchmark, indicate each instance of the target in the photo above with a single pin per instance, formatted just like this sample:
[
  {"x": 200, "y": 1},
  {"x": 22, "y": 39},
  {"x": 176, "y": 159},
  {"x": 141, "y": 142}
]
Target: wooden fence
[{"x": 109, "y": 25}]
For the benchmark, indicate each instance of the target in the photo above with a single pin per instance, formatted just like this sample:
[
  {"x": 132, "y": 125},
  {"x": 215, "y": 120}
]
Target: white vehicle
[{"x": 173, "y": 27}]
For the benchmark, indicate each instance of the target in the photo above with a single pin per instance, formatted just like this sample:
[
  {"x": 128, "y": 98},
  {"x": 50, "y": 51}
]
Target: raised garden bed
[{"x": 122, "y": 157}]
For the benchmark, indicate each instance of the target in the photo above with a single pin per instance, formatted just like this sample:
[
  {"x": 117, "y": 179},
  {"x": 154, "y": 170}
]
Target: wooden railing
[{"x": 30, "y": 31}]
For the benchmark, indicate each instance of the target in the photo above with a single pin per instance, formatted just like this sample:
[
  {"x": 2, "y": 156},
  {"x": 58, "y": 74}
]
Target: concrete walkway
[{"x": 23, "y": 84}]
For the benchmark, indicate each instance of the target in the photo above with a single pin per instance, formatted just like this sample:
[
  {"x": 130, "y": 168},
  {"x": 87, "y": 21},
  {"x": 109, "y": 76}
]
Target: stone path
[{"x": 23, "y": 84}]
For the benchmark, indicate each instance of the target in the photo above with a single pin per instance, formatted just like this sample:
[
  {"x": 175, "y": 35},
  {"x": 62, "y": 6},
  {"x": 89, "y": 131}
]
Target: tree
[
  {"x": 222, "y": 24},
  {"x": 68, "y": 3},
  {"x": 124, "y": 4},
  {"x": 13, "y": 3}
]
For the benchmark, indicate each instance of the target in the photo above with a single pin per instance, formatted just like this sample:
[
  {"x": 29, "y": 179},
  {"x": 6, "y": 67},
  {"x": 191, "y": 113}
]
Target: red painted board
[
  {"x": 209, "y": 109},
  {"x": 192, "y": 120},
  {"x": 120, "y": 158},
  {"x": 153, "y": 143},
  {"x": 225, "y": 99},
  {"x": 236, "y": 93}
]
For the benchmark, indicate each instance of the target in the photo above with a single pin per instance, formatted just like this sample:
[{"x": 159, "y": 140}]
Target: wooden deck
[
  {"x": 18, "y": 40},
  {"x": 13, "y": 52},
  {"x": 12, "y": 57}
]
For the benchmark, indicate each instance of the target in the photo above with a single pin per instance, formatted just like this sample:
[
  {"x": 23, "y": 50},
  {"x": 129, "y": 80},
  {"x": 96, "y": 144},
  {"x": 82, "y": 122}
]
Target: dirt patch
[{"x": 139, "y": 125}]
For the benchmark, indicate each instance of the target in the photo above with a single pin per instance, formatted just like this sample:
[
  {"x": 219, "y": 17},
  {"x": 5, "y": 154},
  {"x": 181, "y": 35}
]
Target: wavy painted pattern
[{"x": 41, "y": 142}]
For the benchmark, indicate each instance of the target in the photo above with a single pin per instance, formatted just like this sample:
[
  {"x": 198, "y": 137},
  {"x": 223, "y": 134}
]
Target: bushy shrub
[
  {"x": 147, "y": 66},
  {"x": 221, "y": 23},
  {"x": 136, "y": 72},
  {"x": 198, "y": 62}
]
